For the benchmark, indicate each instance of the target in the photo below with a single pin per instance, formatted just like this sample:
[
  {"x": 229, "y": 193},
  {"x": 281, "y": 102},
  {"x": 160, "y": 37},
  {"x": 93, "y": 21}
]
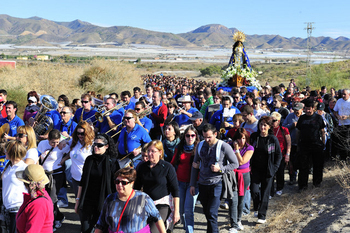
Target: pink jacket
[{"x": 37, "y": 216}]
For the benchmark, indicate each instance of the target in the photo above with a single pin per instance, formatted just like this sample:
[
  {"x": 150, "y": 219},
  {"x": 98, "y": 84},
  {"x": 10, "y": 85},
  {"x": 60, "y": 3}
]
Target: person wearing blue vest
[
  {"x": 125, "y": 96},
  {"x": 110, "y": 120},
  {"x": 87, "y": 112},
  {"x": 145, "y": 121},
  {"x": 132, "y": 137},
  {"x": 212, "y": 159},
  {"x": 66, "y": 126},
  {"x": 12, "y": 119}
]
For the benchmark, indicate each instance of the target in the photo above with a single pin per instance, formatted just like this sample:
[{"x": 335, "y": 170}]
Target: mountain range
[{"x": 39, "y": 31}]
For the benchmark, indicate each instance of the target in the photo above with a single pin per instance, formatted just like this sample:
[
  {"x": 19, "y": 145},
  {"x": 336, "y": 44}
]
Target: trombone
[
  {"x": 140, "y": 115},
  {"x": 99, "y": 115}
]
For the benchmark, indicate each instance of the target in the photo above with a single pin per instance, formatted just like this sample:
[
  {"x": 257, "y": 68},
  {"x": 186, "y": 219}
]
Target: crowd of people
[{"x": 141, "y": 162}]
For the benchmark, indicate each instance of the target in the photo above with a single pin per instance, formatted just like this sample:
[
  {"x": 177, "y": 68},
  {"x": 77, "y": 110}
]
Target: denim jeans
[
  {"x": 233, "y": 210},
  {"x": 242, "y": 204},
  {"x": 187, "y": 204},
  {"x": 62, "y": 195},
  {"x": 209, "y": 195}
]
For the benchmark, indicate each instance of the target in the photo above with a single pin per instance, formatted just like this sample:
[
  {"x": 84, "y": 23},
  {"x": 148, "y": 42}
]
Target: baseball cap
[
  {"x": 196, "y": 115},
  {"x": 321, "y": 106},
  {"x": 297, "y": 106}
]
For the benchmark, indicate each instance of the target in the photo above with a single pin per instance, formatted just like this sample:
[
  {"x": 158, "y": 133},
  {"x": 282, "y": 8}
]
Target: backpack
[{"x": 218, "y": 149}]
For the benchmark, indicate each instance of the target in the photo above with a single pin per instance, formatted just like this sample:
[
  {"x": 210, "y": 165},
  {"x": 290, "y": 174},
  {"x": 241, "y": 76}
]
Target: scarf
[
  {"x": 169, "y": 148},
  {"x": 188, "y": 147}
]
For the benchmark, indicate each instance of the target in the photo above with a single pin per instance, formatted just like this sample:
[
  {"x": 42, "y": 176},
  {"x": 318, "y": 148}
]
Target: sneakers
[
  {"x": 232, "y": 230},
  {"x": 256, "y": 214},
  {"x": 224, "y": 206},
  {"x": 58, "y": 223},
  {"x": 261, "y": 221},
  {"x": 279, "y": 193},
  {"x": 270, "y": 197},
  {"x": 61, "y": 204},
  {"x": 240, "y": 226}
]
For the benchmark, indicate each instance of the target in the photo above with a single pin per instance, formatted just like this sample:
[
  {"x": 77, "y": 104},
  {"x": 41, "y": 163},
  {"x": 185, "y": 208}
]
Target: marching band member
[
  {"x": 12, "y": 119},
  {"x": 125, "y": 96},
  {"x": 87, "y": 111},
  {"x": 133, "y": 136},
  {"x": 66, "y": 125},
  {"x": 145, "y": 121},
  {"x": 111, "y": 119}
]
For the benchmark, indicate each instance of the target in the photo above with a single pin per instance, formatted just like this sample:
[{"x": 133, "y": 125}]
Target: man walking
[{"x": 211, "y": 161}]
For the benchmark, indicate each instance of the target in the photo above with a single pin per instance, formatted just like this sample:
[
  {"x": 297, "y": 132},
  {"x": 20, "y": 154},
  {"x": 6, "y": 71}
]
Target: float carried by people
[{"x": 239, "y": 72}]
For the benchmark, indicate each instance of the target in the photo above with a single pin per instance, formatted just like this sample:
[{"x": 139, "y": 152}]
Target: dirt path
[{"x": 326, "y": 210}]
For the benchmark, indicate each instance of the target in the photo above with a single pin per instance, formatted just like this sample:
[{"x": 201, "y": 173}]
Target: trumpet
[{"x": 177, "y": 111}]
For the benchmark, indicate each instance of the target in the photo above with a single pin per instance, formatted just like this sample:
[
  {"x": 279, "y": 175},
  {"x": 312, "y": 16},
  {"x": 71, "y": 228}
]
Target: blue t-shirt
[
  {"x": 146, "y": 122},
  {"x": 86, "y": 115},
  {"x": 183, "y": 119},
  {"x": 55, "y": 116},
  {"x": 116, "y": 118},
  {"x": 69, "y": 127},
  {"x": 131, "y": 105},
  {"x": 13, "y": 125},
  {"x": 217, "y": 118},
  {"x": 136, "y": 138}
]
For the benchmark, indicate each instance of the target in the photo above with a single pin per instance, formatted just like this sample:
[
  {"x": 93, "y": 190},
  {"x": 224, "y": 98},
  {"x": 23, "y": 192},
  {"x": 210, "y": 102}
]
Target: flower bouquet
[{"x": 239, "y": 77}]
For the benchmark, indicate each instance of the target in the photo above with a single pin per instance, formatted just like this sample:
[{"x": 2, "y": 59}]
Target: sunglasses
[
  {"x": 127, "y": 118},
  {"x": 122, "y": 181},
  {"x": 2, "y": 102},
  {"x": 99, "y": 145},
  {"x": 84, "y": 101},
  {"x": 137, "y": 109},
  {"x": 21, "y": 135},
  {"x": 190, "y": 135},
  {"x": 64, "y": 113},
  {"x": 82, "y": 134},
  {"x": 274, "y": 120}
]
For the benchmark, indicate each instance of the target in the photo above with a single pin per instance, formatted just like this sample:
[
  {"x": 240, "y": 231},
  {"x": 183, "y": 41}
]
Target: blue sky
[{"x": 282, "y": 17}]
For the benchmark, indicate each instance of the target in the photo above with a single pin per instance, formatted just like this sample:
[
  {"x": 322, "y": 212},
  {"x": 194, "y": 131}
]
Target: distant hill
[{"x": 39, "y": 31}]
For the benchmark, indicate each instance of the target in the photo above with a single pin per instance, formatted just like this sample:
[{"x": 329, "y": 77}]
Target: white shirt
[
  {"x": 78, "y": 156},
  {"x": 32, "y": 154},
  {"x": 13, "y": 188},
  {"x": 343, "y": 108},
  {"x": 54, "y": 158},
  {"x": 134, "y": 100}
]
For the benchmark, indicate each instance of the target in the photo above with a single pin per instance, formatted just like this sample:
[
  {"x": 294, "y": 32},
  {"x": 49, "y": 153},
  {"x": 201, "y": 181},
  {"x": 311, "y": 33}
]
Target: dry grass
[
  {"x": 57, "y": 79},
  {"x": 293, "y": 211}
]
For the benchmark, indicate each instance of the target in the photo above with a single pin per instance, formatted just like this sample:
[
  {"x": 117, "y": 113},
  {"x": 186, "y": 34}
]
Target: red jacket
[
  {"x": 37, "y": 216},
  {"x": 159, "y": 119}
]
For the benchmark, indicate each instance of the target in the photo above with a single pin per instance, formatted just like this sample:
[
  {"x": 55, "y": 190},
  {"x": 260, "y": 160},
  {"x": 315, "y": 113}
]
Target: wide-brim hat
[
  {"x": 33, "y": 172},
  {"x": 185, "y": 98}
]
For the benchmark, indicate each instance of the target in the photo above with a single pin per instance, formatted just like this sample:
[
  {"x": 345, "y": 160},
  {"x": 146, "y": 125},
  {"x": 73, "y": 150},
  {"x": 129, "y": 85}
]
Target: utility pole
[{"x": 309, "y": 29}]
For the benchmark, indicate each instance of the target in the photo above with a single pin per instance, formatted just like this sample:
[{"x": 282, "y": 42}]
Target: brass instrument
[
  {"x": 130, "y": 161},
  {"x": 140, "y": 115},
  {"x": 100, "y": 114},
  {"x": 81, "y": 116},
  {"x": 114, "y": 128},
  {"x": 222, "y": 128},
  {"x": 42, "y": 123},
  {"x": 145, "y": 112}
]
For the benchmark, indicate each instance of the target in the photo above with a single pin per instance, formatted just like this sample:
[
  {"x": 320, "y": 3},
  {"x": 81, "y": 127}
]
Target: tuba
[{"x": 42, "y": 123}]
